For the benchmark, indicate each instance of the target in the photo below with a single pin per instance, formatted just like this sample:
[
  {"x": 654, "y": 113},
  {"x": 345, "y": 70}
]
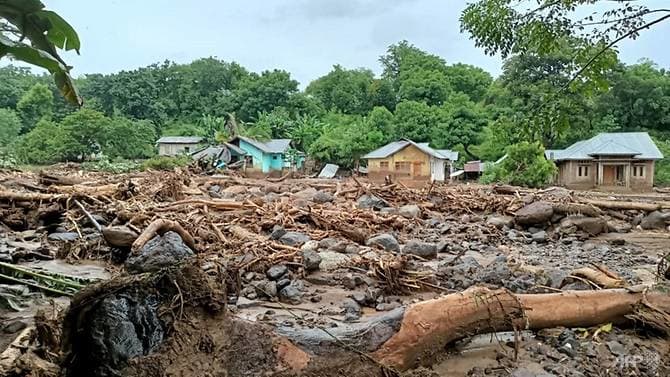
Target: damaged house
[{"x": 613, "y": 161}]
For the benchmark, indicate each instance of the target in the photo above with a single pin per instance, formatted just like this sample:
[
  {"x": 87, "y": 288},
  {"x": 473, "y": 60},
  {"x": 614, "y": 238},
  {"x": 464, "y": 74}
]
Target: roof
[
  {"x": 179, "y": 140},
  {"x": 215, "y": 152},
  {"x": 396, "y": 146},
  {"x": 638, "y": 145},
  {"x": 329, "y": 171},
  {"x": 270, "y": 146}
]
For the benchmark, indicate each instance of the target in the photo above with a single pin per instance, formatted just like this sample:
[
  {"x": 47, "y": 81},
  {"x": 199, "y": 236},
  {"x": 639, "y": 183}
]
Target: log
[
  {"x": 159, "y": 227},
  {"x": 613, "y": 204},
  {"x": 29, "y": 196},
  {"x": 577, "y": 208},
  {"x": 219, "y": 204},
  {"x": 599, "y": 277},
  {"x": 81, "y": 190}
]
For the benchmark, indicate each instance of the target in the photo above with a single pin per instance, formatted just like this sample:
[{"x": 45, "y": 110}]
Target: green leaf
[{"x": 59, "y": 32}]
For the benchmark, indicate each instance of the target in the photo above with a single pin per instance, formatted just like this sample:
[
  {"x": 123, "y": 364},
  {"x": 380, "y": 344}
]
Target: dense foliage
[
  {"x": 524, "y": 165},
  {"x": 341, "y": 115}
]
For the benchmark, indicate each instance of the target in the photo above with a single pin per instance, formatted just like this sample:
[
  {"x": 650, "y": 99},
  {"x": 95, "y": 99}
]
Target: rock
[
  {"x": 311, "y": 260},
  {"x": 67, "y": 236},
  {"x": 160, "y": 252},
  {"x": 421, "y": 249},
  {"x": 277, "y": 232},
  {"x": 371, "y": 202},
  {"x": 654, "y": 220},
  {"x": 328, "y": 243},
  {"x": 352, "y": 249},
  {"x": 539, "y": 237},
  {"x": 360, "y": 298},
  {"x": 533, "y": 230},
  {"x": 384, "y": 307},
  {"x": 310, "y": 246},
  {"x": 442, "y": 246},
  {"x": 591, "y": 225},
  {"x": 290, "y": 294},
  {"x": 619, "y": 227},
  {"x": 616, "y": 348},
  {"x": 294, "y": 238},
  {"x": 271, "y": 198},
  {"x": 411, "y": 211},
  {"x": 266, "y": 288},
  {"x": 536, "y": 213},
  {"x": 568, "y": 343},
  {"x": 352, "y": 311},
  {"x": 350, "y": 281},
  {"x": 272, "y": 189},
  {"x": 277, "y": 271},
  {"x": 284, "y": 282},
  {"x": 236, "y": 190},
  {"x": 385, "y": 241},
  {"x": 322, "y": 197},
  {"x": 119, "y": 236},
  {"x": 500, "y": 221},
  {"x": 388, "y": 211},
  {"x": 331, "y": 260}
]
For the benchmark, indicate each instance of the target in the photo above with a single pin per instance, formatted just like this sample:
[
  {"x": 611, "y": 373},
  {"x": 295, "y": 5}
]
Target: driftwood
[
  {"x": 577, "y": 208},
  {"x": 613, "y": 204},
  {"x": 219, "y": 204},
  {"x": 158, "y": 227},
  {"x": 599, "y": 277},
  {"x": 29, "y": 197},
  {"x": 52, "y": 179}
]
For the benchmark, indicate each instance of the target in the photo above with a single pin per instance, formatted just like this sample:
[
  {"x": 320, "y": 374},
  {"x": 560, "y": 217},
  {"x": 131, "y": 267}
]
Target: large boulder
[
  {"x": 499, "y": 221},
  {"x": 655, "y": 220},
  {"x": 322, "y": 197},
  {"x": 160, "y": 252},
  {"x": 410, "y": 211},
  {"x": 385, "y": 241},
  {"x": 536, "y": 213},
  {"x": 591, "y": 225},
  {"x": 371, "y": 202},
  {"x": 331, "y": 260},
  {"x": 311, "y": 260},
  {"x": 421, "y": 249}
]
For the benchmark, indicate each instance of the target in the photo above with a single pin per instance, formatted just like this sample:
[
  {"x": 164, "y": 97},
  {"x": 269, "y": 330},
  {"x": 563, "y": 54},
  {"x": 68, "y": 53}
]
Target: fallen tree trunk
[
  {"x": 576, "y": 208},
  {"x": 613, "y": 204},
  {"x": 29, "y": 196}
]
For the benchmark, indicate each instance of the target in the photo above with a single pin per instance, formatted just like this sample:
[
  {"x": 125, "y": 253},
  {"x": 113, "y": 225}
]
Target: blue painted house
[{"x": 271, "y": 155}]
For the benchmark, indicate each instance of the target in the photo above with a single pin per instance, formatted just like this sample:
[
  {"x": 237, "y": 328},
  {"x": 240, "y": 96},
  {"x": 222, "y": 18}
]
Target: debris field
[{"x": 185, "y": 274}]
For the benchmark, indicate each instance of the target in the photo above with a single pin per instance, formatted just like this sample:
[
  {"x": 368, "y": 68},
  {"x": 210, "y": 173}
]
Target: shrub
[
  {"x": 525, "y": 165},
  {"x": 662, "y": 169},
  {"x": 7, "y": 160},
  {"x": 116, "y": 166},
  {"x": 166, "y": 162}
]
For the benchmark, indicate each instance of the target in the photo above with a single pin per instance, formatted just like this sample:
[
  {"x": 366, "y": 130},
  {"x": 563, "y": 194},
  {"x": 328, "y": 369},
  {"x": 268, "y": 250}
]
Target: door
[
  {"x": 416, "y": 169},
  {"x": 609, "y": 175}
]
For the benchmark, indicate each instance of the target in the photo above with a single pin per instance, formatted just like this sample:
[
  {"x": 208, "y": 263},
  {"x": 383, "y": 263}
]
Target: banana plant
[{"x": 32, "y": 34}]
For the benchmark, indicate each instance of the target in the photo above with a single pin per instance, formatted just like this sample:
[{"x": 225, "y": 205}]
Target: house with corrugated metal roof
[
  {"x": 405, "y": 160},
  {"x": 270, "y": 155},
  {"x": 174, "y": 145},
  {"x": 616, "y": 161}
]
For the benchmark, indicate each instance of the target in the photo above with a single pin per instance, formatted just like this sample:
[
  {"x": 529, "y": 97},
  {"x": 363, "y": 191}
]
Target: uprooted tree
[{"x": 47, "y": 32}]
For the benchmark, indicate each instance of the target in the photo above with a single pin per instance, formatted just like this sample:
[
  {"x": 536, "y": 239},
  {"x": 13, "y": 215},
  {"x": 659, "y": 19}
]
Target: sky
[{"x": 304, "y": 37}]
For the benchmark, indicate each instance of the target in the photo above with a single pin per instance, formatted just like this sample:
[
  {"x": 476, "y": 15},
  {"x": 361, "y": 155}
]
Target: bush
[
  {"x": 7, "y": 160},
  {"x": 116, "y": 166},
  {"x": 42, "y": 145},
  {"x": 166, "y": 162},
  {"x": 525, "y": 165},
  {"x": 662, "y": 169}
]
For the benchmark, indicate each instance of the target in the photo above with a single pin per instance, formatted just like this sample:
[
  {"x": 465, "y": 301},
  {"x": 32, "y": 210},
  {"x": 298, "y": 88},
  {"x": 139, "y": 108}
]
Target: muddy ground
[{"x": 323, "y": 255}]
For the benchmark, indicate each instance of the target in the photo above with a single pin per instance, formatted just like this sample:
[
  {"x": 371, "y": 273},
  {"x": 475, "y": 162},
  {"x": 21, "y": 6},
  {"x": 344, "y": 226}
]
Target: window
[
  {"x": 187, "y": 149},
  {"x": 384, "y": 165},
  {"x": 403, "y": 166},
  {"x": 638, "y": 171},
  {"x": 583, "y": 171},
  {"x": 274, "y": 157}
]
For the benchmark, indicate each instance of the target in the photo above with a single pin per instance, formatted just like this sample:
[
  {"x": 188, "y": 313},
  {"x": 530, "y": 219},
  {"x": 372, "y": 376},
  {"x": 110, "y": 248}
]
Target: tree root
[{"x": 159, "y": 227}]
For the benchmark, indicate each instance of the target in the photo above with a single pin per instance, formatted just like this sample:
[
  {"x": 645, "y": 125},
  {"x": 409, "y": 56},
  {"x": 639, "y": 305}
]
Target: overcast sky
[{"x": 304, "y": 37}]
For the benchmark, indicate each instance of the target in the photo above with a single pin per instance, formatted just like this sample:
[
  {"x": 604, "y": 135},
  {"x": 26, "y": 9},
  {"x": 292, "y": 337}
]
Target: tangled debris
[{"x": 332, "y": 251}]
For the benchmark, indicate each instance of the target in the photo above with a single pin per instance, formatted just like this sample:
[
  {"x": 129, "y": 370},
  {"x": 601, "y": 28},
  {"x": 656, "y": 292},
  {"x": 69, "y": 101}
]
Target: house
[
  {"x": 268, "y": 156},
  {"x": 406, "y": 160},
  {"x": 615, "y": 161},
  {"x": 222, "y": 155},
  {"x": 174, "y": 145}
]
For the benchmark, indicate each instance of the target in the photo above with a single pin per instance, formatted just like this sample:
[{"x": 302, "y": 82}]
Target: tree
[
  {"x": 263, "y": 93},
  {"x": 348, "y": 91},
  {"x": 83, "y": 134},
  {"x": 47, "y": 32},
  {"x": 128, "y": 139},
  {"x": 10, "y": 126},
  {"x": 525, "y": 165},
  {"x": 470, "y": 80},
  {"x": 15, "y": 82},
  {"x": 416, "y": 120},
  {"x": 306, "y": 131},
  {"x": 463, "y": 123},
  {"x": 41, "y": 145},
  {"x": 35, "y": 104}
]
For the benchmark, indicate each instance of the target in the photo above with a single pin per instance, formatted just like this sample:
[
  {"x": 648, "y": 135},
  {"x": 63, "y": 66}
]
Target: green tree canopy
[
  {"x": 37, "y": 103},
  {"x": 10, "y": 126}
]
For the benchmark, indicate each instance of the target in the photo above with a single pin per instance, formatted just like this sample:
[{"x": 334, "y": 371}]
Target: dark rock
[
  {"x": 323, "y": 197},
  {"x": 277, "y": 271},
  {"x": 352, "y": 311},
  {"x": 283, "y": 283},
  {"x": 311, "y": 260},
  {"x": 14, "y": 326},
  {"x": 655, "y": 220},
  {"x": 616, "y": 348},
  {"x": 386, "y": 241},
  {"x": 266, "y": 288},
  {"x": 500, "y": 221},
  {"x": 351, "y": 249},
  {"x": 120, "y": 327},
  {"x": 294, "y": 238},
  {"x": 420, "y": 249},
  {"x": 360, "y": 298},
  {"x": 160, "y": 252},
  {"x": 410, "y": 211},
  {"x": 290, "y": 294},
  {"x": 536, "y": 213},
  {"x": 371, "y": 202},
  {"x": 350, "y": 281},
  {"x": 591, "y": 225},
  {"x": 277, "y": 232},
  {"x": 67, "y": 236},
  {"x": 568, "y": 343}
]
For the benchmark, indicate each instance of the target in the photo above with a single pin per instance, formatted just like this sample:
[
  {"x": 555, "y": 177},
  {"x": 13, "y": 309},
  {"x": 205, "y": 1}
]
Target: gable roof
[
  {"x": 270, "y": 146},
  {"x": 396, "y": 146},
  {"x": 638, "y": 145},
  {"x": 179, "y": 140}
]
